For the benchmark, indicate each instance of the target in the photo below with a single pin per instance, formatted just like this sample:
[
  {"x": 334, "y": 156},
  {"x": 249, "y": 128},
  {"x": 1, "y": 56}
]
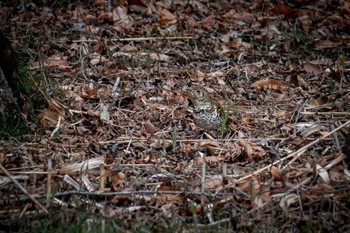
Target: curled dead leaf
[
  {"x": 213, "y": 182},
  {"x": 283, "y": 115},
  {"x": 48, "y": 117},
  {"x": 324, "y": 44},
  {"x": 247, "y": 148},
  {"x": 311, "y": 68},
  {"x": 159, "y": 57},
  {"x": 276, "y": 173},
  {"x": 270, "y": 83},
  {"x": 150, "y": 128},
  {"x": 287, "y": 201},
  {"x": 122, "y": 21},
  {"x": 118, "y": 180}
]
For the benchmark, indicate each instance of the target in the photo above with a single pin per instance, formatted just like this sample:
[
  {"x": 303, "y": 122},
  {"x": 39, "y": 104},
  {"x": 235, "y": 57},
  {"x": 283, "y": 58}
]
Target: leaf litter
[{"x": 118, "y": 127}]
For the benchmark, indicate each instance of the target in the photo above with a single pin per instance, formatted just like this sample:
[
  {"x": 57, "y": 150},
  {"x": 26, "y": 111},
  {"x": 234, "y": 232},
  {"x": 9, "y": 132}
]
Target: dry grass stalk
[{"x": 24, "y": 190}]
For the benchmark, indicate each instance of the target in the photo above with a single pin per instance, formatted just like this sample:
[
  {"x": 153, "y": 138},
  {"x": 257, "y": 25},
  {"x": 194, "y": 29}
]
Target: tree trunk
[{"x": 9, "y": 109}]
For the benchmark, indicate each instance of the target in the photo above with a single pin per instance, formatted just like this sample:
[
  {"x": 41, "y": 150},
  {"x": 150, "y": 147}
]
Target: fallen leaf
[
  {"x": 213, "y": 182},
  {"x": 324, "y": 44},
  {"x": 159, "y": 57},
  {"x": 248, "y": 151},
  {"x": 276, "y": 173},
  {"x": 122, "y": 21},
  {"x": 311, "y": 68},
  {"x": 150, "y": 128},
  {"x": 118, "y": 180},
  {"x": 270, "y": 83}
]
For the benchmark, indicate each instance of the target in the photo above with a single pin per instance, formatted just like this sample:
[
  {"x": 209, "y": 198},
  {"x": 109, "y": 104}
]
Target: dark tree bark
[{"x": 8, "y": 74}]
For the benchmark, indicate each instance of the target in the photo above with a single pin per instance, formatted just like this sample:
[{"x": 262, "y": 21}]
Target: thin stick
[
  {"x": 203, "y": 178},
  {"x": 225, "y": 220},
  {"x": 102, "y": 178},
  {"x": 48, "y": 186},
  {"x": 138, "y": 39},
  {"x": 23, "y": 190},
  {"x": 127, "y": 140},
  {"x": 294, "y": 154},
  {"x": 325, "y": 113}
]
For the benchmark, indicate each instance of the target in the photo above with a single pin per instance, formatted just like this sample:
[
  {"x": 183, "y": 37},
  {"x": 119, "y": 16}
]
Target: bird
[{"x": 207, "y": 112}]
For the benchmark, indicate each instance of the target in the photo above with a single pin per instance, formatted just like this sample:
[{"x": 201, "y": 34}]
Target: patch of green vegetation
[{"x": 11, "y": 127}]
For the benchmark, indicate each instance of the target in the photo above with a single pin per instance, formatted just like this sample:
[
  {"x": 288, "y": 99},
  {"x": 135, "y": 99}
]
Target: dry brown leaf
[
  {"x": 208, "y": 22},
  {"x": 284, "y": 9},
  {"x": 211, "y": 143},
  {"x": 48, "y": 117},
  {"x": 276, "y": 173},
  {"x": 96, "y": 60},
  {"x": 250, "y": 186},
  {"x": 262, "y": 196},
  {"x": 118, "y": 180},
  {"x": 305, "y": 21},
  {"x": 159, "y": 57},
  {"x": 318, "y": 102},
  {"x": 321, "y": 188},
  {"x": 149, "y": 127},
  {"x": 239, "y": 44},
  {"x": 122, "y": 21},
  {"x": 270, "y": 83},
  {"x": 57, "y": 62},
  {"x": 345, "y": 5},
  {"x": 168, "y": 197},
  {"x": 88, "y": 92},
  {"x": 324, "y": 44},
  {"x": 311, "y": 68},
  {"x": 82, "y": 130},
  {"x": 286, "y": 116},
  {"x": 209, "y": 159},
  {"x": 166, "y": 17},
  {"x": 213, "y": 182},
  {"x": 245, "y": 17},
  {"x": 129, "y": 49},
  {"x": 140, "y": 7},
  {"x": 248, "y": 150},
  {"x": 258, "y": 151}
]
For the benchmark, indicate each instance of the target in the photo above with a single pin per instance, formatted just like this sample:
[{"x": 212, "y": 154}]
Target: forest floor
[{"x": 113, "y": 146}]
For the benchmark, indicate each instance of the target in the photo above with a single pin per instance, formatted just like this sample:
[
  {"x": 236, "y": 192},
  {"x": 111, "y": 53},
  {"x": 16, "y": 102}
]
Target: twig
[
  {"x": 225, "y": 220},
  {"x": 23, "y": 190},
  {"x": 203, "y": 178},
  {"x": 127, "y": 140},
  {"x": 102, "y": 178},
  {"x": 138, "y": 39},
  {"x": 325, "y": 113},
  {"x": 48, "y": 186},
  {"x": 296, "y": 154}
]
